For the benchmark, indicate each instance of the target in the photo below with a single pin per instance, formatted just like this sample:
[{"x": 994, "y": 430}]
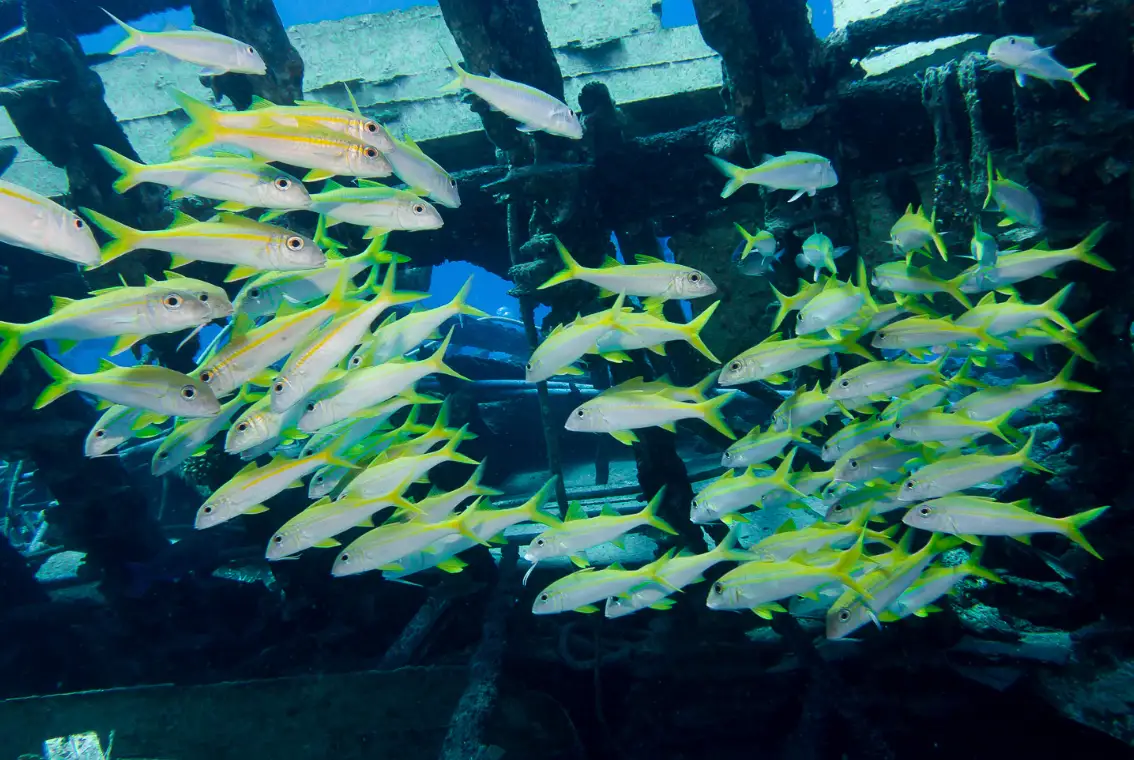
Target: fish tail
[
  {"x": 650, "y": 514},
  {"x": 130, "y": 169},
  {"x": 999, "y": 425},
  {"x": 202, "y": 128},
  {"x": 323, "y": 239},
  {"x": 126, "y": 238},
  {"x": 749, "y": 238},
  {"x": 991, "y": 180},
  {"x": 450, "y": 448},
  {"x": 1054, "y": 304},
  {"x": 461, "y": 75},
  {"x": 1064, "y": 382},
  {"x": 460, "y": 301},
  {"x": 734, "y": 173},
  {"x": 850, "y": 345},
  {"x": 11, "y": 341},
  {"x": 438, "y": 359},
  {"x": 711, "y": 413},
  {"x": 543, "y": 496},
  {"x": 1072, "y": 526},
  {"x": 475, "y": 486},
  {"x": 699, "y": 390},
  {"x": 1024, "y": 456},
  {"x": 1075, "y": 72},
  {"x": 953, "y": 288},
  {"x": 1084, "y": 250},
  {"x": 940, "y": 243},
  {"x": 782, "y": 475},
  {"x": 846, "y": 564},
  {"x": 785, "y": 306},
  {"x": 62, "y": 380},
  {"x": 134, "y": 38},
  {"x": 693, "y": 332},
  {"x": 973, "y": 567},
  {"x": 571, "y": 271}
]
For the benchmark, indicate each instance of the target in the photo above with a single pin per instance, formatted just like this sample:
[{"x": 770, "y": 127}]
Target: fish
[
  {"x": 325, "y": 152},
  {"x": 1018, "y": 266},
  {"x": 876, "y": 459},
  {"x": 762, "y": 242},
  {"x": 664, "y": 386},
  {"x": 30, "y": 221},
  {"x": 874, "y": 499},
  {"x": 311, "y": 361},
  {"x": 567, "y": 343},
  {"x": 304, "y": 116},
  {"x": 154, "y": 389},
  {"x": 247, "y": 490},
  {"x": 317, "y": 525},
  {"x": 191, "y": 437},
  {"x": 995, "y": 401},
  {"x": 383, "y": 473},
  {"x": 758, "y": 446},
  {"x": 259, "y": 425},
  {"x": 251, "y": 350},
  {"x": 934, "y": 583},
  {"x": 1013, "y": 315},
  {"x": 117, "y": 425},
  {"x": 382, "y": 547},
  {"x": 1015, "y": 201},
  {"x": 853, "y": 435},
  {"x": 225, "y": 239},
  {"x": 651, "y": 330},
  {"x": 439, "y": 505},
  {"x": 819, "y": 252},
  {"x": 128, "y": 314},
  {"x": 801, "y": 172},
  {"x": 914, "y": 231},
  {"x": 934, "y": 426},
  {"x": 807, "y": 291},
  {"x": 242, "y": 183},
  {"x": 835, "y": 304},
  {"x": 482, "y": 523},
  {"x": 1025, "y": 342},
  {"x": 422, "y": 175},
  {"x": 582, "y": 590},
  {"x": 959, "y": 473},
  {"x": 535, "y": 110},
  {"x": 579, "y": 532},
  {"x": 679, "y": 571},
  {"x": 394, "y": 338},
  {"x": 788, "y": 541},
  {"x": 368, "y": 387},
  {"x": 371, "y": 205},
  {"x": 899, "y": 277},
  {"x": 885, "y": 378},
  {"x": 773, "y": 356},
  {"x": 756, "y": 583},
  {"x": 730, "y": 493},
  {"x": 914, "y": 334},
  {"x": 649, "y": 277},
  {"x": 983, "y": 249},
  {"x": 1027, "y": 59},
  {"x": 621, "y": 413},
  {"x": 802, "y": 409},
  {"x": 215, "y": 53},
  {"x": 970, "y": 517},
  {"x": 882, "y": 587}
]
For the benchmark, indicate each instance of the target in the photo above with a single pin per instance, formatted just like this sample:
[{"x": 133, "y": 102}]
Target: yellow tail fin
[
  {"x": 62, "y": 379},
  {"x": 129, "y": 169},
  {"x": 126, "y": 238},
  {"x": 134, "y": 38}
]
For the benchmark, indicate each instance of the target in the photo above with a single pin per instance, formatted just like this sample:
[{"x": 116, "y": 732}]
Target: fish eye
[
  {"x": 540, "y": 542},
  {"x": 909, "y": 485},
  {"x": 203, "y": 297},
  {"x": 79, "y": 224},
  {"x": 543, "y": 597},
  {"x": 418, "y": 208},
  {"x": 371, "y": 152},
  {"x": 727, "y": 455},
  {"x": 172, "y": 301},
  {"x": 838, "y": 507},
  {"x": 318, "y": 478},
  {"x": 311, "y": 407},
  {"x": 283, "y": 183},
  {"x": 163, "y": 455},
  {"x": 206, "y": 376},
  {"x": 240, "y": 428},
  {"x": 925, "y": 511},
  {"x": 897, "y": 426},
  {"x": 844, "y": 384},
  {"x": 882, "y": 335},
  {"x": 207, "y": 510},
  {"x": 735, "y": 366},
  {"x": 695, "y": 277},
  {"x": 718, "y": 588},
  {"x": 188, "y": 393},
  {"x": 278, "y": 387},
  {"x": 254, "y": 293},
  {"x": 344, "y": 558},
  {"x": 854, "y": 464},
  {"x": 580, "y": 413},
  {"x": 452, "y": 182},
  {"x": 528, "y": 366},
  {"x": 277, "y": 539},
  {"x": 844, "y": 615},
  {"x": 295, "y": 242},
  {"x": 251, "y": 50},
  {"x": 370, "y": 127},
  {"x": 100, "y": 433}
]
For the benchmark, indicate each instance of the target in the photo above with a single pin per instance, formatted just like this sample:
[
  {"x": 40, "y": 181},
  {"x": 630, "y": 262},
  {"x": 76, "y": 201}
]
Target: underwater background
[{"x": 566, "y": 379}]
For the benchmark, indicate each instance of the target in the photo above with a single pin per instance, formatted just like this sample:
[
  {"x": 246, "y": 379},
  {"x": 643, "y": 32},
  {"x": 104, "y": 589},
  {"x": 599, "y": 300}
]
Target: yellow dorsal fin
[
  {"x": 227, "y": 217},
  {"x": 642, "y": 258},
  {"x": 787, "y": 527},
  {"x": 59, "y": 302},
  {"x": 258, "y": 103},
  {"x": 608, "y": 511},
  {"x": 575, "y": 512},
  {"x": 247, "y": 468},
  {"x": 105, "y": 365},
  {"x": 181, "y": 219},
  {"x": 409, "y": 141},
  {"x": 610, "y": 262}
]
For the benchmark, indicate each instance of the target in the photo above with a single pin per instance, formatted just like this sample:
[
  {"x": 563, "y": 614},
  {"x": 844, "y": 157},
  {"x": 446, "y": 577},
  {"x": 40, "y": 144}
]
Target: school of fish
[{"x": 314, "y": 367}]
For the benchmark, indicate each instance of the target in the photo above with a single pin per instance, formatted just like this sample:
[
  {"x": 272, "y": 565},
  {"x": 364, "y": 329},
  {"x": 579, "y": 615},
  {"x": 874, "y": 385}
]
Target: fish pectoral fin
[
  {"x": 587, "y": 609},
  {"x": 124, "y": 342},
  {"x": 662, "y": 604},
  {"x": 393, "y": 567},
  {"x": 573, "y": 371},
  {"x": 1024, "y": 539},
  {"x": 317, "y": 174},
  {"x": 626, "y": 437},
  {"x": 527, "y": 128},
  {"x": 452, "y": 565},
  {"x": 797, "y": 196},
  {"x": 212, "y": 71},
  {"x": 176, "y": 261},
  {"x": 579, "y": 560},
  {"x": 616, "y": 357},
  {"x": 327, "y": 543},
  {"x": 240, "y": 273},
  {"x": 233, "y": 206},
  {"x": 256, "y": 509},
  {"x": 296, "y": 484},
  {"x": 671, "y": 427},
  {"x": 968, "y": 538}
]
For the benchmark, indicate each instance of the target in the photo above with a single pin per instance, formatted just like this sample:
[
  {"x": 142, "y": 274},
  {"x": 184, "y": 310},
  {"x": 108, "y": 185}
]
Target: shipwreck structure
[{"x": 750, "y": 78}]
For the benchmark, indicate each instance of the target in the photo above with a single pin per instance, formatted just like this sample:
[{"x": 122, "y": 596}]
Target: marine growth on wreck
[{"x": 428, "y": 380}]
